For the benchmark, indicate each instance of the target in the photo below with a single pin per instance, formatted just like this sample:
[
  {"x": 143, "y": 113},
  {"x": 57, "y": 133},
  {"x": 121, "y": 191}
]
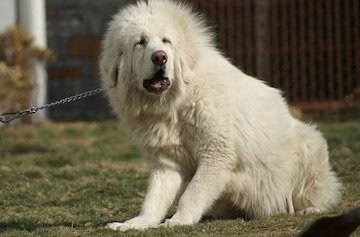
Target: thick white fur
[{"x": 218, "y": 142}]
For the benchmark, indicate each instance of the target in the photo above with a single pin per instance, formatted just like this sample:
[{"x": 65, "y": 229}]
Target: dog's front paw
[
  {"x": 309, "y": 211},
  {"x": 176, "y": 220},
  {"x": 170, "y": 223},
  {"x": 119, "y": 226},
  {"x": 137, "y": 223}
]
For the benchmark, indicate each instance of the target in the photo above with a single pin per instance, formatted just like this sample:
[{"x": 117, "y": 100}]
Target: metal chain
[{"x": 10, "y": 116}]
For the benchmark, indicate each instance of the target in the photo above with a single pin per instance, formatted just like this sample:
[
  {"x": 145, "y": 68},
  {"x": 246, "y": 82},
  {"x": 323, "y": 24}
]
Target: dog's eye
[
  {"x": 141, "y": 42},
  {"x": 166, "y": 40}
]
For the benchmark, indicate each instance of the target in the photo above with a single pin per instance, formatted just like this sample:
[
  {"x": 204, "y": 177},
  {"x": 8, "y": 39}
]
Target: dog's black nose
[{"x": 159, "y": 58}]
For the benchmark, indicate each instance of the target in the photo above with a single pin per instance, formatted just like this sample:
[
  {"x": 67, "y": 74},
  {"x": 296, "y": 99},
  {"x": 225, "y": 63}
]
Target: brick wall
[{"x": 75, "y": 29}]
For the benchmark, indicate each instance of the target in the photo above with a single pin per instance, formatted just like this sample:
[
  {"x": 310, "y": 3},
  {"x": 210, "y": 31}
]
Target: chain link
[{"x": 10, "y": 116}]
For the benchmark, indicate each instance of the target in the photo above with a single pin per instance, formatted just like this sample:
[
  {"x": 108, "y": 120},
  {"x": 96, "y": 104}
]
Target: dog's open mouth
[{"x": 158, "y": 84}]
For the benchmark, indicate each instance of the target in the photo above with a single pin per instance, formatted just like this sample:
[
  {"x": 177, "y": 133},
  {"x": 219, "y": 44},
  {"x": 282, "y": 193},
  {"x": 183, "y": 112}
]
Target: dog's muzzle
[{"x": 158, "y": 84}]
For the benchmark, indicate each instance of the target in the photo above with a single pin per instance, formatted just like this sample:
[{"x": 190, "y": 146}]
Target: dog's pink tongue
[{"x": 157, "y": 85}]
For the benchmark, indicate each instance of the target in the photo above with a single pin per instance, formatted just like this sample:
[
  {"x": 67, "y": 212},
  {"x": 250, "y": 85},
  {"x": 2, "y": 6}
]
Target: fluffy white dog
[{"x": 218, "y": 142}]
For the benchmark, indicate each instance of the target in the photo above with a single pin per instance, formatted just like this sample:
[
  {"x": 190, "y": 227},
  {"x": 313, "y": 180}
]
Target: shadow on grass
[
  {"x": 29, "y": 148},
  {"x": 24, "y": 224},
  {"x": 33, "y": 225}
]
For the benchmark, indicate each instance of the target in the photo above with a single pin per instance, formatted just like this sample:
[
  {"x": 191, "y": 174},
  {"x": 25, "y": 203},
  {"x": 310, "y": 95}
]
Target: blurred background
[
  {"x": 61, "y": 178},
  {"x": 308, "y": 48}
]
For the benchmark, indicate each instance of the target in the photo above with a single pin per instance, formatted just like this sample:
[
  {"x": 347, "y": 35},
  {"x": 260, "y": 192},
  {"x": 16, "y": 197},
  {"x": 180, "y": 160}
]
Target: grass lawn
[{"x": 70, "y": 179}]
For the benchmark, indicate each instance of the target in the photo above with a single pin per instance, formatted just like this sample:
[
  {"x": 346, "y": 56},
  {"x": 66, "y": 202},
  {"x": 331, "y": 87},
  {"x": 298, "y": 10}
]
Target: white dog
[{"x": 218, "y": 142}]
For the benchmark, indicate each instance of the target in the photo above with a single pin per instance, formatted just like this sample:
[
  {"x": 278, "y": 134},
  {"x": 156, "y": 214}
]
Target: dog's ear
[
  {"x": 187, "y": 54},
  {"x": 185, "y": 66},
  {"x": 110, "y": 60}
]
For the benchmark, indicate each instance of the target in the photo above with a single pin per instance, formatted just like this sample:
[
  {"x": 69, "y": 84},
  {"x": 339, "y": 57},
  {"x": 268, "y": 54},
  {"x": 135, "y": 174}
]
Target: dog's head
[
  {"x": 151, "y": 48},
  {"x": 152, "y": 55}
]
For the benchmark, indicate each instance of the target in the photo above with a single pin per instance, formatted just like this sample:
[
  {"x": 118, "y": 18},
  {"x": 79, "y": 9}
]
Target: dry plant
[
  {"x": 18, "y": 55},
  {"x": 353, "y": 100}
]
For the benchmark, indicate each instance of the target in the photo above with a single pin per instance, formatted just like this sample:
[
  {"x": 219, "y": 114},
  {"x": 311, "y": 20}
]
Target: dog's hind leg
[{"x": 317, "y": 187}]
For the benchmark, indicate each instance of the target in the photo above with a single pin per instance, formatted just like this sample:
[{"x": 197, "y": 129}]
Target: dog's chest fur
[{"x": 163, "y": 136}]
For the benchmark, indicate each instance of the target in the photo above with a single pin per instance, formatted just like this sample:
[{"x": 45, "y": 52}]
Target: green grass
[{"x": 70, "y": 179}]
